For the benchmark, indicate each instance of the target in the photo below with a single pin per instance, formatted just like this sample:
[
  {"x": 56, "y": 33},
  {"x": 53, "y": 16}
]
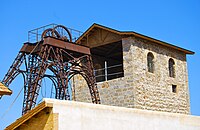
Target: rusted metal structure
[{"x": 64, "y": 58}]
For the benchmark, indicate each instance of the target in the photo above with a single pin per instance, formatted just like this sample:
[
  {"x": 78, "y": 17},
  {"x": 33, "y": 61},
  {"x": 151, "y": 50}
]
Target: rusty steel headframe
[{"x": 60, "y": 55}]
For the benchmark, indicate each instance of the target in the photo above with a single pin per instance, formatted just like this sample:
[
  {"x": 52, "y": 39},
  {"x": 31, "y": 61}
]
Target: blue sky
[{"x": 173, "y": 21}]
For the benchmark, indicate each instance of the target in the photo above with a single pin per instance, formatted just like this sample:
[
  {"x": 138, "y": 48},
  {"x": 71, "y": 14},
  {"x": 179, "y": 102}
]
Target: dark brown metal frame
[{"x": 58, "y": 54}]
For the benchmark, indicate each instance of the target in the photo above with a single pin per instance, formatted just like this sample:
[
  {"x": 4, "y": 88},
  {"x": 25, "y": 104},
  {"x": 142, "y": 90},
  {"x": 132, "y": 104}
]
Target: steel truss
[{"x": 57, "y": 53}]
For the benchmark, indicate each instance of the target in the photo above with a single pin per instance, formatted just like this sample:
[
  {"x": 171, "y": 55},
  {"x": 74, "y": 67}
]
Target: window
[
  {"x": 174, "y": 88},
  {"x": 171, "y": 68},
  {"x": 108, "y": 61},
  {"x": 150, "y": 62}
]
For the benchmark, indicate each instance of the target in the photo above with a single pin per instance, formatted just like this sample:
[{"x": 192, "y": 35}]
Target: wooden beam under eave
[
  {"x": 99, "y": 38},
  {"x": 104, "y": 43}
]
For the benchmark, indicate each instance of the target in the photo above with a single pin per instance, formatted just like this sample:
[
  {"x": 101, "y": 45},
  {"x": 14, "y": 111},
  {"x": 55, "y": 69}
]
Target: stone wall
[
  {"x": 153, "y": 91},
  {"x": 140, "y": 88},
  {"x": 116, "y": 92},
  {"x": 81, "y": 92}
]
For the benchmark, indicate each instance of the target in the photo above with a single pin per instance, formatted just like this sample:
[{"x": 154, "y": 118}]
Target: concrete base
[{"x": 85, "y": 116}]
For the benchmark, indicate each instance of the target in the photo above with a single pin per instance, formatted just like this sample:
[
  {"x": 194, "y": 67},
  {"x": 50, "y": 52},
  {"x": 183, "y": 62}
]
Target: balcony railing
[{"x": 35, "y": 34}]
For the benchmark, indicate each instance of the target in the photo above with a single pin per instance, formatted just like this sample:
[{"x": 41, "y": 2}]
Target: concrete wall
[
  {"x": 140, "y": 88},
  {"x": 87, "y": 116}
]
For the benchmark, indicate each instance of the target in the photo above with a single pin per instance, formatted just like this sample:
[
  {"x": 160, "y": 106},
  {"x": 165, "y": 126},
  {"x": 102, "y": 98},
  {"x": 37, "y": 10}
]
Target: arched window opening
[
  {"x": 171, "y": 68},
  {"x": 150, "y": 62}
]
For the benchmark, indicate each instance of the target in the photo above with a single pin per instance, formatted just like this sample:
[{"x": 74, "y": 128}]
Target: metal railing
[
  {"x": 35, "y": 34},
  {"x": 109, "y": 72}
]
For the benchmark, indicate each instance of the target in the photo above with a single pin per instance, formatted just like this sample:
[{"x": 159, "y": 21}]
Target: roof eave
[
  {"x": 159, "y": 42},
  {"x": 99, "y": 26},
  {"x": 134, "y": 34}
]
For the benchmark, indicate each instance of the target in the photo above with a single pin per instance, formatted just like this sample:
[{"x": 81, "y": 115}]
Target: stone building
[{"x": 135, "y": 71}]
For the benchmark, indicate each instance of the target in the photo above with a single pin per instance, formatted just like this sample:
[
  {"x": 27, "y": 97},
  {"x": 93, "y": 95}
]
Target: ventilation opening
[
  {"x": 174, "y": 88},
  {"x": 108, "y": 61}
]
